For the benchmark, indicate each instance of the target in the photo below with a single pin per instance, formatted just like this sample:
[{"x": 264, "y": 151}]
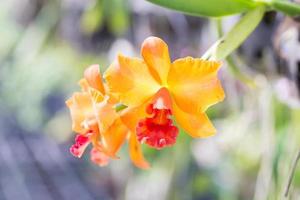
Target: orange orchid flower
[
  {"x": 155, "y": 89},
  {"x": 96, "y": 121}
]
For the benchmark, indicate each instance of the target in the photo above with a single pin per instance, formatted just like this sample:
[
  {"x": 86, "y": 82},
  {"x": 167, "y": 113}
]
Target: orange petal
[
  {"x": 105, "y": 114},
  {"x": 130, "y": 118},
  {"x": 96, "y": 141},
  {"x": 95, "y": 94},
  {"x": 195, "y": 125},
  {"x": 113, "y": 131},
  {"x": 194, "y": 84},
  {"x": 81, "y": 108},
  {"x": 136, "y": 154},
  {"x": 113, "y": 98},
  {"x": 93, "y": 77},
  {"x": 156, "y": 54},
  {"x": 113, "y": 138},
  {"x": 132, "y": 115},
  {"x": 162, "y": 99},
  {"x": 84, "y": 85},
  {"x": 130, "y": 80}
]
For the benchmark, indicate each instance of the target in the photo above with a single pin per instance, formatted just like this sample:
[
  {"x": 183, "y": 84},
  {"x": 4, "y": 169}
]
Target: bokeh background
[{"x": 45, "y": 45}]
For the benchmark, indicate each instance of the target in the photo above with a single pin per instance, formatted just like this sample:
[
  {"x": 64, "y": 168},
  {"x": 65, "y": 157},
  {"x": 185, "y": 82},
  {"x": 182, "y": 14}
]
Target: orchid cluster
[{"x": 139, "y": 101}]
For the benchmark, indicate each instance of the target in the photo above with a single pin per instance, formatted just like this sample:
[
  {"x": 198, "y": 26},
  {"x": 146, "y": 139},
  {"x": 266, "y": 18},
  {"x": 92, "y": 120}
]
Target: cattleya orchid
[
  {"x": 159, "y": 89},
  {"x": 152, "y": 92},
  {"x": 95, "y": 120}
]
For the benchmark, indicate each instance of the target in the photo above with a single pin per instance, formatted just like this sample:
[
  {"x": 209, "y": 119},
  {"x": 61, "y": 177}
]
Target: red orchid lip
[{"x": 158, "y": 130}]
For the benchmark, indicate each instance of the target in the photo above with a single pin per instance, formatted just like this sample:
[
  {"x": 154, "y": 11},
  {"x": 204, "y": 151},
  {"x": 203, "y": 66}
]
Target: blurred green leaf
[
  {"x": 118, "y": 16},
  {"x": 92, "y": 19},
  {"x": 211, "y": 8},
  {"x": 282, "y": 114}
]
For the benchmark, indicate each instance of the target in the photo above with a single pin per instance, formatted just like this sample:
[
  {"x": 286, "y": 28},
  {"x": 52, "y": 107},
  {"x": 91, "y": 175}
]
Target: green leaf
[
  {"x": 118, "y": 17},
  {"x": 208, "y": 8},
  {"x": 289, "y": 8},
  {"x": 236, "y": 36}
]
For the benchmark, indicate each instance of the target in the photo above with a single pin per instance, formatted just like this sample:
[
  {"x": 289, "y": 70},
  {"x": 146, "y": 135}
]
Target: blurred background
[{"x": 45, "y": 45}]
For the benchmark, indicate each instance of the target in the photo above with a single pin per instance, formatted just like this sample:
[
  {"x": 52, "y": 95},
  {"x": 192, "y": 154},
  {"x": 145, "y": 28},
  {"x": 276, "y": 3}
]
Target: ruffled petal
[
  {"x": 80, "y": 105},
  {"x": 94, "y": 79},
  {"x": 95, "y": 94},
  {"x": 198, "y": 126},
  {"x": 135, "y": 152},
  {"x": 130, "y": 80},
  {"x": 156, "y": 54},
  {"x": 157, "y": 129},
  {"x": 194, "y": 84}
]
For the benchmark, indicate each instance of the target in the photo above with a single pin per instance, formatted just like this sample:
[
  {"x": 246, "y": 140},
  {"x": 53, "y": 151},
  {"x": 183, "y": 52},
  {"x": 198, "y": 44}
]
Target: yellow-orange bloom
[
  {"x": 155, "y": 88},
  {"x": 95, "y": 120}
]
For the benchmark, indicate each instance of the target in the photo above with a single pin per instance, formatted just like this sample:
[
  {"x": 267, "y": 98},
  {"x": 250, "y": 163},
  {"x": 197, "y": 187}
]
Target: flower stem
[
  {"x": 233, "y": 67},
  {"x": 292, "y": 175},
  {"x": 236, "y": 36}
]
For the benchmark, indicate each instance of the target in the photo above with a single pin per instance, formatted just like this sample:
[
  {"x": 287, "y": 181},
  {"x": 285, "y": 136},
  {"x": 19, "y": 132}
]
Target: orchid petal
[
  {"x": 130, "y": 80},
  {"x": 156, "y": 54},
  {"x": 80, "y": 105},
  {"x": 194, "y": 84},
  {"x": 136, "y": 154},
  {"x": 198, "y": 126},
  {"x": 93, "y": 77}
]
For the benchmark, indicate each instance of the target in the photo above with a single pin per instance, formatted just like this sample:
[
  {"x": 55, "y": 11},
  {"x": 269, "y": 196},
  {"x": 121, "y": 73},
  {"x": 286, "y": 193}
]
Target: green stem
[
  {"x": 236, "y": 36},
  {"x": 220, "y": 31},
  {"x": 292, "y": 175},
  {"x": 287, "y": 7},
  {"x": 233, "y": 67}
]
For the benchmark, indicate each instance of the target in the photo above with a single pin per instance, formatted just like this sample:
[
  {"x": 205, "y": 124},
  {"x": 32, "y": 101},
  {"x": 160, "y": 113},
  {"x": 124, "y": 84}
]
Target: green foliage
[
  {"x": 203, "y": 185},
  {"x": 282, "y": 114},
  {"x": 92, "y": 18},
  {"x": 112, "y": 13},
  {"x": 117, "y": 17},
  {"x": 211, "y": 8},
  {"x": 220, "y": 8}
]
